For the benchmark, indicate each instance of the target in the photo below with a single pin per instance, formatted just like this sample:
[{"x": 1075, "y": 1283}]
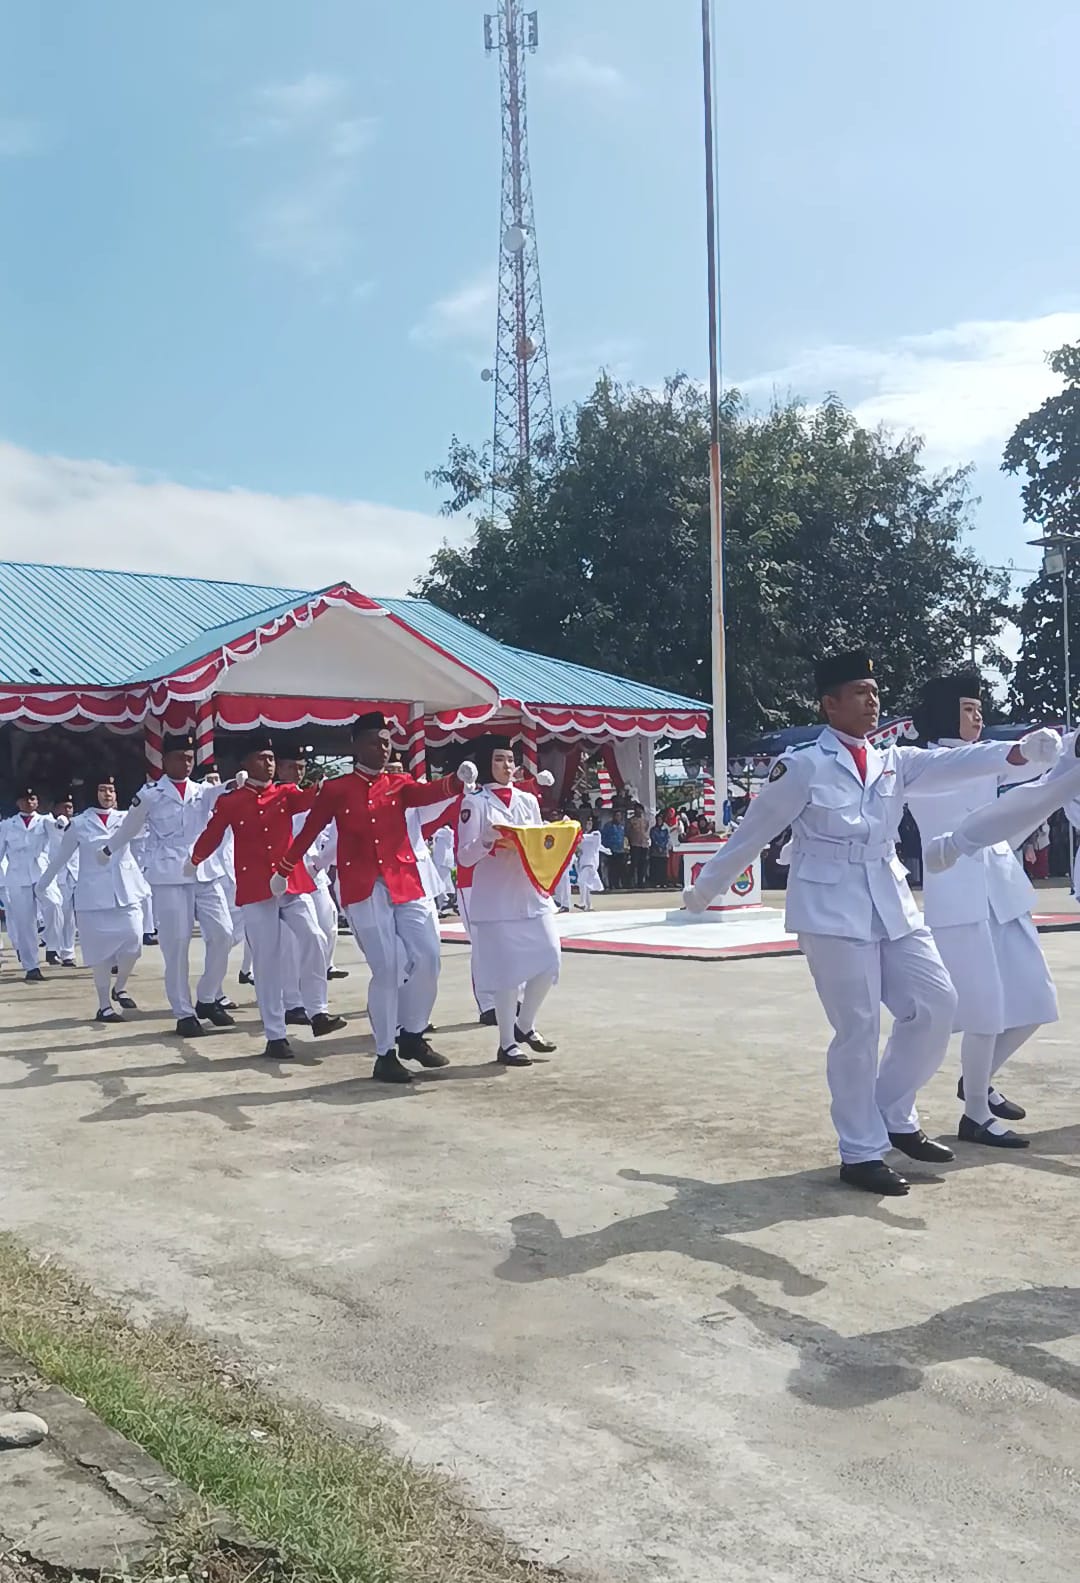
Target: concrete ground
[{"x": 621, "y": 1296}]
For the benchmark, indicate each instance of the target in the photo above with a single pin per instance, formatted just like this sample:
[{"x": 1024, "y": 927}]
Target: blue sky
[{"x": 246, "y": 280}]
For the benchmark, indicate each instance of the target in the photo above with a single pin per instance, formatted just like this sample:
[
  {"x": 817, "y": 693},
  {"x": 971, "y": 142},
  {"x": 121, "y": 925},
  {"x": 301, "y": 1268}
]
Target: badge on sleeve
[
  {"x": 466, "y": 815},
  {"x": 135, "y": 802},
  {"x": 778, "y": 771}
]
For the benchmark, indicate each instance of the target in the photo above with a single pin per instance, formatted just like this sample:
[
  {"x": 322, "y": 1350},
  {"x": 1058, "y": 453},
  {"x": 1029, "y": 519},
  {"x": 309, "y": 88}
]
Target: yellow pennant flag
[{"x": 545, "y": 850}]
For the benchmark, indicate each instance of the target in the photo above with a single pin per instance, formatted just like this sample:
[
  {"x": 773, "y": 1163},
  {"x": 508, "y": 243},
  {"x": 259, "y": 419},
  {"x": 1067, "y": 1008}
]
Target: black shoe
[
  {"x": 414, "y": 1047},
  {"x": 917, "y": 1146},
  {"x": 225, "y": 1003},
  {"x": 322, "y": 1023},
  {"x": 535, "y": 1041},
  {"x": 388, "y": 1069},
  {"x": 35, "y": 976},
  {"x": 513, "y": 1057},
  {"x": 69, "y": 961},
  {"x": 975, "y": 1132},
  {"x": 52, "y": 958},
  {"x": 488, "y": 1019},
  {"x": 109, "y": 1015},
  {"x": 190, "y": 1028},
  {"x": 874, "y": 1176},
  {"x": 122, "y": 998},
  {"x": 278, "y": 1050},
  {"x": 337, "y": 972},
  {"x": 213, "y": 1011},
  {"x": 297, "y": 1017},
  {"x": 247, "y": 978},
  {"x": 150, "y": 939},
  {"x": 1002, "y": 1108}
]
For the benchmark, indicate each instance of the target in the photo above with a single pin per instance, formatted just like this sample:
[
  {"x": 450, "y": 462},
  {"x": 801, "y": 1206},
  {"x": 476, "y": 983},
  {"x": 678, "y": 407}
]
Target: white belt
[{"x": 845, "y": 851}]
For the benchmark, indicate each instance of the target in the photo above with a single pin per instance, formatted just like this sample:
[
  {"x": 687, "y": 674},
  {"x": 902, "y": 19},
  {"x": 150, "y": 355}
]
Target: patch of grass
[{"x": 336, "y": 1509}]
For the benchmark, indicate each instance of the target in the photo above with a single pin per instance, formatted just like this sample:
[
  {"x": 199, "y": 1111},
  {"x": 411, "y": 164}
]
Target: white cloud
[
  {"x": 93, "y": 513},
  {"x": 465, "y": 316},
  {"x": 580, "y": 74},
  {"x": 614, "y": 356},
  {"x": 288, "y": 104},
  {"x": 20, "y": 138},
  {"x": 964, "y": 388}
]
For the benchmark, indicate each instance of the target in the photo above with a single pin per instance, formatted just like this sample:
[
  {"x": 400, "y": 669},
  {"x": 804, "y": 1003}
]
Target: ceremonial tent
[{"x": 124, "y": 654}]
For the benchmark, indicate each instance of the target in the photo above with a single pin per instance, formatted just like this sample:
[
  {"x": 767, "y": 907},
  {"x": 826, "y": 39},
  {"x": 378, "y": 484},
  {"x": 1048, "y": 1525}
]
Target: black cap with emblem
[
  {"x": 937, "y": 713},
  {"x": 834, "y": 670},
  {"x": 178, "y": 742},
  {"x": 374, "y": 720}
]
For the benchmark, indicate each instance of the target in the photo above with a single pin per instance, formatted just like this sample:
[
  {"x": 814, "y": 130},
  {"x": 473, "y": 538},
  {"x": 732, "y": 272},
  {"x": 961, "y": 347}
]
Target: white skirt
[
  {"x": 108, "y": 932},
  {"x": 588, "y": 879},
  {"x": 509, "y": 953},
  {"x": 999, "y": 974}
]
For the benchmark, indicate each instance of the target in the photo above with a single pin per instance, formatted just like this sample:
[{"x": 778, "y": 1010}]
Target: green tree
[
  {"x": 834, "y": 534},
  {"x": 1045, "y": 448}
]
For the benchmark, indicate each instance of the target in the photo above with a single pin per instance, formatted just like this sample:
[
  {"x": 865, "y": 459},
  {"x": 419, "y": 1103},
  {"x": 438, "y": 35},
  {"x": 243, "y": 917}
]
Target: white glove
[
  {"x": 694, "y": 901},
  {"x": 1041, "y": 747},
  {"x": 213, "y": 779},
  {"x": 279, "y": 884},
  {"x": 940, "y": 854},
  {"x": 545, "y": 778},
  {"x": 240, "y": 779},
  {"x": 467, "y": 775}
]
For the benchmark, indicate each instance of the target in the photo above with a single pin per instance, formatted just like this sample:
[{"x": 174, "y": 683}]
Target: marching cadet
[
  {"x": 515, "y": 945},
  {"x": 979, "y": 912},
  {"x": 381, "y": 892},
  {"x": 1009, "y": 818},
  {"x": 849, "y": 903},
  {"x": 58, "y": 903},
  {"x": 260, "y": 816},
  {"x": 108, "y": 899},
  {"x": 170, "y": 814},
  {"x": 292, "y": 771},
  {"x": 24, "y": 842},
  {"x": 588, "y": 865}
]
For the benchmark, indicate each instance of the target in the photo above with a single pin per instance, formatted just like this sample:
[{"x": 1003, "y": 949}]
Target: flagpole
[{"x": 716, "y": 508}]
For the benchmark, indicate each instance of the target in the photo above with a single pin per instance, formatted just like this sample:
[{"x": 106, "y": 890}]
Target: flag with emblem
[{"x": 545, "y": 850}]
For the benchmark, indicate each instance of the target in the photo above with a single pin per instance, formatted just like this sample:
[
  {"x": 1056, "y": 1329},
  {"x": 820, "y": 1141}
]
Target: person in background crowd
[
  {"x": 24, "y": 843},
  {"x": 613, "y": 841},
  {"x": 637, "y": 834},
  {"x": 1037, "y": 852},
  {"x": 588, "y": 864},
  {"x": 659, "y": 848},
  {"x": 442, "y": 855},
  {"x": 108, "y": 899},
  {"x": 58, "y": 902}
]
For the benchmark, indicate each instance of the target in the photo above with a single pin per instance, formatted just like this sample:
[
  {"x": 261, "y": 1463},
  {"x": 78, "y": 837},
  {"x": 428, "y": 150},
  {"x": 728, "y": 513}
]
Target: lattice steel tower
[{"x": 524, "y": 422}]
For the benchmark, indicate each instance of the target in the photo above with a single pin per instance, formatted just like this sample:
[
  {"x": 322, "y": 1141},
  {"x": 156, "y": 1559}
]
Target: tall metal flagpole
[{"x": 716, "y": 508}]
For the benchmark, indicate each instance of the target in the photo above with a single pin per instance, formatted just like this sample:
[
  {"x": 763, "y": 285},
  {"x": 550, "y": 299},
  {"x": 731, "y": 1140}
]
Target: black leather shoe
[
  {"x": 917, "y": 1146},
  {"x": 388, "y": 1069},
  {"x": 513, "y": 1057},
  {"x": 35, "y": 976},
  {"x": 338, "y": 972},
  {"x": 535, "y": 1041},
  {"x": 278, "y": 1050},
  {"x": 122, "y": 998},
  {"x": 488, "y": 1019},
  {"x": 874, "y": 1176},
  {"x": 974, "y": 1132},
  {"x": 108, "y": 1016},
  {"x": 1002, "y": 1108},
  {"x": 225, "y": 1003},
  {"x": 414, "y": 1047},
  {"x": 69, "y": 961},
  {"x": 213, "y": 1011},
  {"x": 297, "y": 1017},
  {"x": 190, "y": 1028},
  {"x": 52, "y": 958},
  {"x": 322, "y": 1022},
  {"x": 150, "y": 939},
  {"x": 247, "y": 978}
]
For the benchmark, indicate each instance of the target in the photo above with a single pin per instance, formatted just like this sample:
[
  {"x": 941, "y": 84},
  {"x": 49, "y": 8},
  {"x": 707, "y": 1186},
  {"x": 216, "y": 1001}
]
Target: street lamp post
[
  {"x": 716, "y": 509},
  {"x": 1055, "y": 548}
]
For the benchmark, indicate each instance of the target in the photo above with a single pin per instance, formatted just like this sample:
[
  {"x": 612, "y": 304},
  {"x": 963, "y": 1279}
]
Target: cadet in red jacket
[
  {"x": 381, "y": 891},
  {"x": 260, "y": 815}
]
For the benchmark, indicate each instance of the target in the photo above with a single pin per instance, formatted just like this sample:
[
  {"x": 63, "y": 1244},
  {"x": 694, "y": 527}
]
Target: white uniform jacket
[
  {"x": 172, "y": 825},
  {"x": 844, "y": 867},
  {"x": 58, "y": 828},
  {"x": 26, "y": 848},
  {"x": 118, "y": 883},
  {"x": 992, "y": 883},
  {"x": 501, "y": 889}
]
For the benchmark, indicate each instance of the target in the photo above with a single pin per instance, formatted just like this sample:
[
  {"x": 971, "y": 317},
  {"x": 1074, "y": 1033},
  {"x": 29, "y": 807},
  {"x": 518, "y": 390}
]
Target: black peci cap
[
  {"x": 178, "y": 742},
  {"x": 375, "y": 720},
  {"x": 835, "y": 669}
]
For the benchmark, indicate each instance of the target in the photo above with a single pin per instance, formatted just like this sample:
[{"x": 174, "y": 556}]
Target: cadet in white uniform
[
  {"x": 849, "y": 903},
  {"x": 108, "y": 899},
  {"x": 511, "y": 925},
  {"x": 174, "y": 812},
  {"x": 980, "y": 911},
  {"x": 442, "y": 855},
  {"x": 588, "y": 866},
  {"x": 58, "y": 903},
  {"x": 24, "y": 843},
  {"x": 318, "y": 860}
]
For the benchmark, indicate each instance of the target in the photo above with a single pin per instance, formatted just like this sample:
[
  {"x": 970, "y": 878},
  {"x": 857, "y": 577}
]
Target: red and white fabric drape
[
  {"x": 530, "y": 758},
  {"x": 416, "y": 744}
]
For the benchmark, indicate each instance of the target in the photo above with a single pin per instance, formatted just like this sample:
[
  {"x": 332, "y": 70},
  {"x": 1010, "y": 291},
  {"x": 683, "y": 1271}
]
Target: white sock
[
  {"x": 976, "y": 1058},
  {"x": 506, "y": 1011},
  {"x": 103, "y": 985}
]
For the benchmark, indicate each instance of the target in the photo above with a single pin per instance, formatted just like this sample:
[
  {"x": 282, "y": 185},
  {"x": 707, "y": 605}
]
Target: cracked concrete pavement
[{"x": 621, "y": 1297}]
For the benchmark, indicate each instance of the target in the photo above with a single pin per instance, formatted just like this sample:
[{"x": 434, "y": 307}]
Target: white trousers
[
  {"x": 853, "y": 979},
  {"x": 58, "y": 915},
  {"x": 326, "y": 917},
  {"x": 327, "y": 914},
  {"x": 148, "y": 925},
  {"x": 485, "y": 1002},
  {"x": 378, "y": 925},
  {"x": 21, "y": 908},
  {"x": 176, "y": 908},
  {"x": 264, "y": 924}
]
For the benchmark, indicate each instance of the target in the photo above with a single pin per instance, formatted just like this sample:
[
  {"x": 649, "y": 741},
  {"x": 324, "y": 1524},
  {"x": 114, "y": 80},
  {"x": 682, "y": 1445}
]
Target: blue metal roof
[{"x": 72, "y": 626}]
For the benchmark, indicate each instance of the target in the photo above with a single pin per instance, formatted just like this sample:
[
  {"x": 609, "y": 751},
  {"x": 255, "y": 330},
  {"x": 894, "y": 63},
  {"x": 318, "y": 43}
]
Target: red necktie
[
  {"x": 859, "y": 755},
  {"x": 104, "y": 818},
  {"x": 505, "y": 794}
]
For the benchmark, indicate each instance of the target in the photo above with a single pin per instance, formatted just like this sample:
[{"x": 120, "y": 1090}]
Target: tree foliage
[{"x": 834, "y": 535}]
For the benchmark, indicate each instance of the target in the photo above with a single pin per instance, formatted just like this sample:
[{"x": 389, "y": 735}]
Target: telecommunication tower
[{"x": 524, "y": 422}]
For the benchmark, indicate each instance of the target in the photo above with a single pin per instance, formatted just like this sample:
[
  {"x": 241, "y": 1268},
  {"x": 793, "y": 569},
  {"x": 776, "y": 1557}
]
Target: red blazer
[
  {"x": 373, "y": 838},
  {"x": 261, "y": 823}
]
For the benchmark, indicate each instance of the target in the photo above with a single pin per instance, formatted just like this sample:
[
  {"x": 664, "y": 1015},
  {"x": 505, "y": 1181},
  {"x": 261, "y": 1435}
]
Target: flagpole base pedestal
[{"x": 744, "y": 892}]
